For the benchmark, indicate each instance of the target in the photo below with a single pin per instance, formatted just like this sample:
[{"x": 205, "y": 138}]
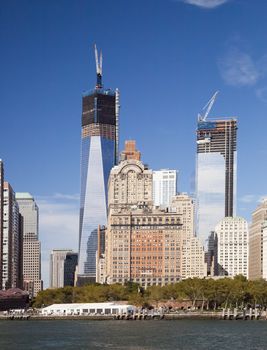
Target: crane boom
[
  {"x": 208, "y": 107},
  {"x": 98, "y": 63}
]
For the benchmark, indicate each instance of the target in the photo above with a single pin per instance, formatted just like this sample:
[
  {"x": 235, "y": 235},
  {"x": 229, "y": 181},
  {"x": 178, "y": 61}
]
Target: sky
[{"x": 167, "y": 57}]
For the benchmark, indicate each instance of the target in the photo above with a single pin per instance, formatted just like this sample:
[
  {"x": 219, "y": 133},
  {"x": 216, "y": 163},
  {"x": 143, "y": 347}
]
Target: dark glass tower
[{"x": 99, "y": 153}]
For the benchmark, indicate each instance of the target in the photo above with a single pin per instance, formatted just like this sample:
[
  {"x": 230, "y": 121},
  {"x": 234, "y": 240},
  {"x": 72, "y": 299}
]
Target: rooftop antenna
[
  {"x": 98, "y": 63},
  {"x": 207, "y": 107}
]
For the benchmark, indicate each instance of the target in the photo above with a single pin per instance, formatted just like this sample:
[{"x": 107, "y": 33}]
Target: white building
[
  {"x": 192, "y": 257},
  {"x": 164, "y": 187},
  {"x": 57, "y": 258},
  {"x": 87, "y": 309},
  {"x": 31, "y": 244},
  {"x": 232, "y": 235}
]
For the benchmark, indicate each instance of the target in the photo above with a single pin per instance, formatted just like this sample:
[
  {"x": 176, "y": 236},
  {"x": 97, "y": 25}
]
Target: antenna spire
[{"x": 98, "y": 63}]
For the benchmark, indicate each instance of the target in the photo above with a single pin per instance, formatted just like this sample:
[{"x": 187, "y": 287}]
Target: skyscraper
[
  {"x": 11, "y": 240},
  {"x": 57, "y": 260},
  {"x": 31, "y": 244},
  {"x": 164, "y": 187},
  {"x": 215, "y": 173},
  {"x": 1, "y": 216},
  {"x": 99, "y": 153}
]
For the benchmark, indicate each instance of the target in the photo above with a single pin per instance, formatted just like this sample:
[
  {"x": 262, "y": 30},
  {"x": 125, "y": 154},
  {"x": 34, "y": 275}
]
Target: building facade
[
  {"x": 164, "y": 187},
  {"x": 99, "y": 153},
  {"x": 215, "y": 173},
  {"x": 232, "y": 233},
  {"x": 57, "y": 263},
  {"x": 145, "y": 244},
  {"x": 257, "y": 231},
  {"x": 70, "y": 264},
  {"x": 11, "y": 248},
  {"x": 1, "y": 216},
  {"x": 31, "y": 244},
  {"x": 192, "y": 251}
]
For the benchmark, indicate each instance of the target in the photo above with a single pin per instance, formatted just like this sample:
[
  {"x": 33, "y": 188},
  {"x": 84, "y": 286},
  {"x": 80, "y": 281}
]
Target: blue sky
[{"x": 167, "y": 58}]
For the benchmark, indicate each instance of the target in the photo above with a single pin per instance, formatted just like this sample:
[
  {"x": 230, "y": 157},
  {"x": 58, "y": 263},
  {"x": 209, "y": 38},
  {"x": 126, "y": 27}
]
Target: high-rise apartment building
[
  {"x": 257, "y": 242},
  {"x": 11, "y": 240},
  {"x": 99, "y": 153},
  {"x": 215, "y": 173},
  {"x": 232, "y": 233},
  {"x": 164, "y": 187},
  {"x": 57, "y": 260},
  {"x": 31, "y": 244}
]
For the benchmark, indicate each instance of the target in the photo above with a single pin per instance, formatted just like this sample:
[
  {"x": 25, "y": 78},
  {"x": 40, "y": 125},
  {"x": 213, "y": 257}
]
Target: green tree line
[{"x": 202, "y": 293}]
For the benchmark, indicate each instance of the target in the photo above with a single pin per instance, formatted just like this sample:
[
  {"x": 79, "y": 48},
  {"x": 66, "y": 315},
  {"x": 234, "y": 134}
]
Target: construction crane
[
  {"x": 207, "y": 108},
  {"x": 98, "y": 68}
]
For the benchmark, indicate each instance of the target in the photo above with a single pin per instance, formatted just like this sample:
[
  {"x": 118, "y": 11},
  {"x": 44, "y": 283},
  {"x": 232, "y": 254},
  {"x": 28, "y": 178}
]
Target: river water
[{"x": 133, "y": 335}]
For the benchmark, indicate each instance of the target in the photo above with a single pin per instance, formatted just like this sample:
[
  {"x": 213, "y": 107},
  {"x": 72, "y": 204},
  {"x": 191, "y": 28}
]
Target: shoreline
[{"x": 167, "y": 317}]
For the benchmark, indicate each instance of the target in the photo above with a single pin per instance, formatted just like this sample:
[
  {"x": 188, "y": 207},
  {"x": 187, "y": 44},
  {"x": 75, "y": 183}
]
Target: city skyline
[{"x": 52, "y": 74}]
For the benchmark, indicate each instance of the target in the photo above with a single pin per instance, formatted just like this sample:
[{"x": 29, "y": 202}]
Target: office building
[
  {"x": 164, "y": 187},
  {"x": 70, "y": 264},
  {"x": 232, "y": 233},
  {"x": 211, "y": 255},
  {"x": 130, "y": 183},
  {"x": 192, "y": 251},
  {"x": 11, "y": 248},
  {"x": 31, "y": 244},
  {"x": 1, "y": 216},
  {"x": 130, "y": 151},
  {"x": 215, "y": 173},
  {"x": 99, "y": 153},
  {"x": 57, "y": 261},
  {"x": 145, "y": 244},
  {"x": 257, "y": 240}
]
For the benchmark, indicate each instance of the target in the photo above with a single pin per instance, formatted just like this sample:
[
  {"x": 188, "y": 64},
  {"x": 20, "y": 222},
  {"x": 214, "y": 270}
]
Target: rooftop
[{"x": 23, "y": 195}]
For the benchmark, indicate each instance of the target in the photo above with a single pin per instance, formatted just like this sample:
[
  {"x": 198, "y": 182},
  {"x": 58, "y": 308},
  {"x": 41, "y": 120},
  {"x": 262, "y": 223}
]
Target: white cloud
[
  {"x": 252, "y": 198},
  {"x": 238, "y": 68},
  {"x": 208, "y": 4},
  {"x": 261, "y": 93},
  {"x": 59, "y": 226}
]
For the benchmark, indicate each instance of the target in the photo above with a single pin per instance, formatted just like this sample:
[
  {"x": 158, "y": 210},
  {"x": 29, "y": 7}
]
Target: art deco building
[
  {"x": 257, "y": 242},
  {"x": 164, "y": 187},
  {"x": 232, "y": 233},
  {"x": 31, "y": 244},
  {"x": 99, "y": 153},
  {"x": 215, "y": 173}
]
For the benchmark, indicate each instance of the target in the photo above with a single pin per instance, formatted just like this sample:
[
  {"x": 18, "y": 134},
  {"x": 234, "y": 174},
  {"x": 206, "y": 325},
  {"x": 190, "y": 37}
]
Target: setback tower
[{"x": 99, "y": 153}]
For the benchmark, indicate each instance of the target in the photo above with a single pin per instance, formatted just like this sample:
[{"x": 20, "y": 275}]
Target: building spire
[{"x": 98, "y": 63}]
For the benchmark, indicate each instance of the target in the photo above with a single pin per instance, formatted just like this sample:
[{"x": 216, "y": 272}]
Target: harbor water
[{"x": 133, "y": 335}]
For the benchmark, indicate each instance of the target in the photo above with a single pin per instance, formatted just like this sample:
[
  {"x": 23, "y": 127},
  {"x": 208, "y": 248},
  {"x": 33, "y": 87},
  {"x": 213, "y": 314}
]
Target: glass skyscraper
[
  {"x": 215, "y": 173},
  {"x": 99, "y": 153}
]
